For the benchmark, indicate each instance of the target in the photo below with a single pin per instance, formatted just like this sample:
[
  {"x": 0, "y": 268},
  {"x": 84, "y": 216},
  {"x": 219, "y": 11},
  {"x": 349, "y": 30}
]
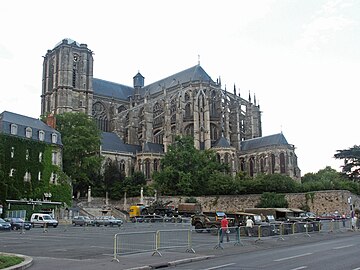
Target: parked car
[
  {"x": 156, "y": 218},
  {"x": 43, "y": 220},
  {"x": 4, "y": 225},
  {"x": 329, "y": 216},
  {"x": 108, "y": 221},
  {"x": 18, "y": 223},
  {"x": 83, "y": 221}
]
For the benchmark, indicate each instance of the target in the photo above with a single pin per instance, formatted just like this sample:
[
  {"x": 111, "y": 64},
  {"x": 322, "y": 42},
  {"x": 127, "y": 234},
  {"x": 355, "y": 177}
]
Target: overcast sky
[{"x": 299, "y": 57}]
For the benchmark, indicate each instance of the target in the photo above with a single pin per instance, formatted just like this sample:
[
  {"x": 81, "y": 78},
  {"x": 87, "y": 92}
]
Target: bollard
[{"x": 45, "y": 228}]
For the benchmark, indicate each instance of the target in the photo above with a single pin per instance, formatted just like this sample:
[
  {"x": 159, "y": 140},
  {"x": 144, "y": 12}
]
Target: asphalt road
[
  {"x": 328, "y": 254},
  {"x": 68, "y": 247}
]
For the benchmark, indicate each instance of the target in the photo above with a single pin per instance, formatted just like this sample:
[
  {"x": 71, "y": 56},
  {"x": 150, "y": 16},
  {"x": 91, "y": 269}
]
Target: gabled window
[
  {"x": 54, "y": 138},
  {"x": 13, "y": 129},
  {"x": 41, "y": 135},
  {"x": 27, "y": 176},
  {"x": 12, "y": 171},
  {"x": 28, "y": 132}
]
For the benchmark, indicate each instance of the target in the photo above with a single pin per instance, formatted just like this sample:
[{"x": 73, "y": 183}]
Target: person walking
[
  {"x": 249, "y": 225},
  {"x": 224, "y": 229}
]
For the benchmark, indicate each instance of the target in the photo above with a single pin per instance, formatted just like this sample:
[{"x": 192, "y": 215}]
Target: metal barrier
[
  {"x": 231, "y": 235},
  {"x": 336, "y": 225},
  {"x": 170, "y": 239},
  {"x": 136, "y": 242}
]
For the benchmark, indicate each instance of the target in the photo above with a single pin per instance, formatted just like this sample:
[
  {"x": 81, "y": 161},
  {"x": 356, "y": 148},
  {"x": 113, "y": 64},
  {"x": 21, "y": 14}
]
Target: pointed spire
[
  {"x": 225, "y": 88},
  {"x": 234, "y": 89},
  {"x": 249, "y": 96},
  {"x": 219, "y": 80},
  {"x": 198, "y": 59},
  {"x": 254, "y": 99},
  {"x": 239, "y": 92}
]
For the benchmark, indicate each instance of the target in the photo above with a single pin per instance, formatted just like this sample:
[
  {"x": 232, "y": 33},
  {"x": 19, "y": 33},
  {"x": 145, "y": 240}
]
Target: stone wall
[{"x": 318, "y": 202}]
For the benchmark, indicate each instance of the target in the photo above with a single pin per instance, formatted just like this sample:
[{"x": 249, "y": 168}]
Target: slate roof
[
  {"x": 111, "y": 89},
  {"x": 22, "y": 122},
  {"x": 222, "y": 143},
  {"x": 195, "y": 73},
  {"x": 275, "y": 139},
  {"x": 122, "y": 92},
  {"x": 153, "y": 148},
  {"x": 112, "y": 143}
]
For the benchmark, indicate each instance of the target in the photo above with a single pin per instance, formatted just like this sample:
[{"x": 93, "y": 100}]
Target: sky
[{"x": 300, "y": 58}]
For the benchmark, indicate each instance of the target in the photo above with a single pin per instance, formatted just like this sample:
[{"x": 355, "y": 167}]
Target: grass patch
[{"x": 8, "y": 260}]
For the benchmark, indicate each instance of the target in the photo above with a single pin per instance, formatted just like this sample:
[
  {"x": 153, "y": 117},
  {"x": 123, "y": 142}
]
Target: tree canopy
[
  {"x": 351, "y": 157},
  {"x": 81, "y": 156},
  {"x": 186, "y": 170}
]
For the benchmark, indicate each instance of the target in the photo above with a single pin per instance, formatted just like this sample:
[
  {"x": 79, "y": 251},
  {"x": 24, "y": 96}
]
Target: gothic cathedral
[{"x": 139, "y": 122}]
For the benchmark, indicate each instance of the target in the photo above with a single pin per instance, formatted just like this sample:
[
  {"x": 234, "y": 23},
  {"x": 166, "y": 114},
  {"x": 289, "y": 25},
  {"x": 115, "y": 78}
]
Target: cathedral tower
[{"x": 67, "y": 79}]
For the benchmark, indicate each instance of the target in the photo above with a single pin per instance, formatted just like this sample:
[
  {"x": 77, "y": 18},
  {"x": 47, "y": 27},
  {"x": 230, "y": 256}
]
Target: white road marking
[
  {"x": 219, "y": 266},
  {"x": 343, "y": 247},
  {"x": 298, "y": 268},
  {"x": 292, "y": 257}
]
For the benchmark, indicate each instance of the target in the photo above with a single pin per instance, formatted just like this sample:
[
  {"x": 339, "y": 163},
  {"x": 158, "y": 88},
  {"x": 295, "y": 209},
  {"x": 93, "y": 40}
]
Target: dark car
[
  {"x": 18, "y": 223},
  {"x": 83, "y": 221},
  {"x": 329, "y": 216},
  {"x": 4, "y": 225}
]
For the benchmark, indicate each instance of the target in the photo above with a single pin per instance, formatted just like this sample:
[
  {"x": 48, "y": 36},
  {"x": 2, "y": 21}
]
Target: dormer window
[
  {"x": 14, "y": 129},
  {"x": 41, "y": 135},
  {"x": 40, "y": 157},
  {"x": 28, "y": 132},
  {"x": 12, "y": 152},
  {"x": 54, "y": 138}
]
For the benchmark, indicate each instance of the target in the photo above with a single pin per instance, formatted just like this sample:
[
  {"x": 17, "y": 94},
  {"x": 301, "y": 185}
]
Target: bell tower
[{"x": 67, "y": 79}]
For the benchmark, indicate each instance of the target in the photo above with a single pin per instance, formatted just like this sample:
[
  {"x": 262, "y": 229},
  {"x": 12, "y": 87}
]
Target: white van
[{"x": 41, "y": 219}]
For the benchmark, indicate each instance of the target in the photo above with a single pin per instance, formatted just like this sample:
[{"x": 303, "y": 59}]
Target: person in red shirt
[{"x": 224, "y": 229}]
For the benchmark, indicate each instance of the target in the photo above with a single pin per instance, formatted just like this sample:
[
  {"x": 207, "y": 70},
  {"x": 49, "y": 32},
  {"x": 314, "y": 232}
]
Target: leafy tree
[
  {"x": 112, "y": 174},
  {"x": 186, "y": 170},
  {"x": 272, "y": 200},
  {"x": 81, "y": 158},
  {"x": 131, "y": 185},
  {"x": 351, "y": 157}
]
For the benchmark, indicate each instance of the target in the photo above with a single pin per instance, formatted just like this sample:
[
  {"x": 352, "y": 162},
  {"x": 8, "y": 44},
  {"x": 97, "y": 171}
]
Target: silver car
[{"x": 82, "y": 221}]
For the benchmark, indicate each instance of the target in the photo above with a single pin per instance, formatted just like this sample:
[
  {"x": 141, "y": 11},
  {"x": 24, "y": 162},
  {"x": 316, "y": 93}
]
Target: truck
[
  {"x": 156, "y": 208},
  {"x": 210, "y": 222},
  {"x": 188, "y": 209}
]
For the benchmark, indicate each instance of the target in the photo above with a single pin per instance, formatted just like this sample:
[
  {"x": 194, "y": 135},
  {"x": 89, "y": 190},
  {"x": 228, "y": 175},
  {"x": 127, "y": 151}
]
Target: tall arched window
[
  {"x": 282, "y": 163},
  {"x": 99, "y": 113},
  {"x": 251, "y": 161},
  {"x": 188, "y": 110},
  {"x": 262, "y": 165},
  {"x": 272, "y": 163},
  {"x": 147, "y": 169}
]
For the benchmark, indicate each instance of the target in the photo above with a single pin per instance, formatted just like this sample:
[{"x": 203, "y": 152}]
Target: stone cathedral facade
[{"x": 139, "y": 122}]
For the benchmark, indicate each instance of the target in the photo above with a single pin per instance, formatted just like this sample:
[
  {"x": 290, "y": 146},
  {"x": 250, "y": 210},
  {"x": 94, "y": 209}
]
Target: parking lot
[{"x": 67, "y": 245}]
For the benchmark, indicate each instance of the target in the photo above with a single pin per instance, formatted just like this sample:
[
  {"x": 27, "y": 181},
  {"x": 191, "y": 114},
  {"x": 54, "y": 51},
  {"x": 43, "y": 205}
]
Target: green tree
[
  {"x": 272, "y": 200},
  {"x": 81, "y": 157},
  {"x": 351, "y": 157},
  {"x": 186, "y": 170}
]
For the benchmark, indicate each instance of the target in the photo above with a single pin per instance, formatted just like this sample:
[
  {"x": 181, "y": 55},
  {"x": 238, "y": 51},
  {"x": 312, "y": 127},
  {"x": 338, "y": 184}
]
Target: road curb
[
  {"x": 189, "y": 260},
  {"x": 28, "y": 261}
]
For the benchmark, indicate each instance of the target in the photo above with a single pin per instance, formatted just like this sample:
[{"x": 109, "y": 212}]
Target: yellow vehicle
[{"x": 136, "y": 210}]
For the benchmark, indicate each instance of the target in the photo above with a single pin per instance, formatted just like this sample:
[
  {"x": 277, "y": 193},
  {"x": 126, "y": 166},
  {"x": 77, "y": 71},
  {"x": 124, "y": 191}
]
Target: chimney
[{"x": 51, "y": 120}]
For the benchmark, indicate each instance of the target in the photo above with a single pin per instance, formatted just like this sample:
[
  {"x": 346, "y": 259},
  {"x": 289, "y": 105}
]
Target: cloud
[
  {"x": 5, "y": 53},
  {"x": 324, "y": 26}
]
